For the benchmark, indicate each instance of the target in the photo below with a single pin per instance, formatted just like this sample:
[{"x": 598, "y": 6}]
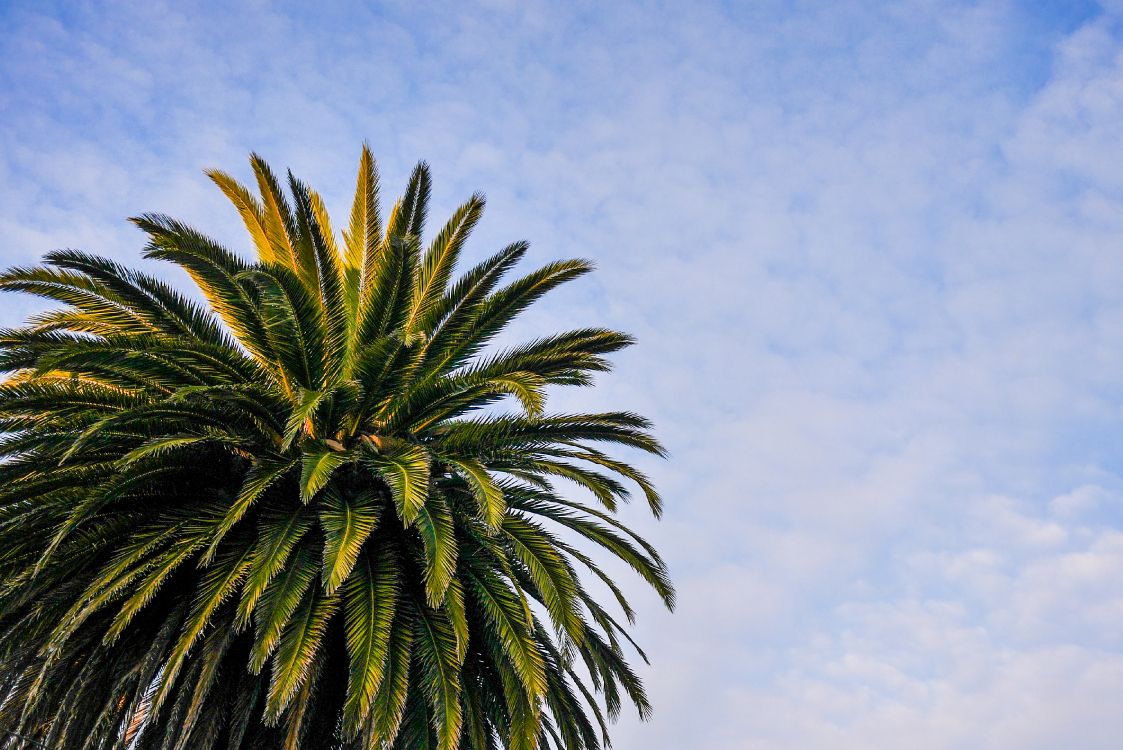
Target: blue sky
[{"x": 873, "y": 254}]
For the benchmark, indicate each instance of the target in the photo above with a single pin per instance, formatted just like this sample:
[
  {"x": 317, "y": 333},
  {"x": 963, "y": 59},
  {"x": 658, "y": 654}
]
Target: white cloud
[{"x": 871, "y": 254}]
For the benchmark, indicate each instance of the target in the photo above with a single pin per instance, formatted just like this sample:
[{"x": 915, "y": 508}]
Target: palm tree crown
[{"x": 286, "y": 518}]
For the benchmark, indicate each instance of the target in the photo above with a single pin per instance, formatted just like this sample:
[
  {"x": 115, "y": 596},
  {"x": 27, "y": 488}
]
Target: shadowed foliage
[{"x": 287, "y": 517}]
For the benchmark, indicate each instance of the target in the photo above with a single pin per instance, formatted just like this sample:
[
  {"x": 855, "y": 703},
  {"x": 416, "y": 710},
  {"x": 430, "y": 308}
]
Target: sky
[{"x": 872, "y": 253}]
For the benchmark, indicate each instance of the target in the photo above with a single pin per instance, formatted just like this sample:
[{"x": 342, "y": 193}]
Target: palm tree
[{"x": 296, "y": 516}]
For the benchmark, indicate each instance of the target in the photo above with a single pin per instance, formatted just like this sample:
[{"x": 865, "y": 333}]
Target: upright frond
[
  {"x": 279, "y": 224},
  {"x": 364, "y": 233},
  {"x": 408, "y": 216},
  {"x": 250, "y": 209},
  {"x": 436, "y": 268}
]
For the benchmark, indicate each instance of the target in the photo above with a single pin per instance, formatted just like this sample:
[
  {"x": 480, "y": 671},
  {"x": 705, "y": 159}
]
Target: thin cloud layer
[{"x": 872, "y": 255}]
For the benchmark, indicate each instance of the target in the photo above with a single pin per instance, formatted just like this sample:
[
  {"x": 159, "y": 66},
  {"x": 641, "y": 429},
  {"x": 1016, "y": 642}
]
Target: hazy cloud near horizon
[{"x": 873, "y": 254}]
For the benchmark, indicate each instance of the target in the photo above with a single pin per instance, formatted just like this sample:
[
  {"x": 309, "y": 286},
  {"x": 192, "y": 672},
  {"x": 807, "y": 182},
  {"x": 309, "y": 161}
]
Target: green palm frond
[
  {"x": 347, "y": 523},
  {"x": 316, "y": 508},
  {"x": 370, "y": 603}
]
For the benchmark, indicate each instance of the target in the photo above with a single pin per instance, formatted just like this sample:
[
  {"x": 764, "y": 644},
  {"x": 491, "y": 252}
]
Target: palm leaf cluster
[{"x": 299, "y": 515}]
